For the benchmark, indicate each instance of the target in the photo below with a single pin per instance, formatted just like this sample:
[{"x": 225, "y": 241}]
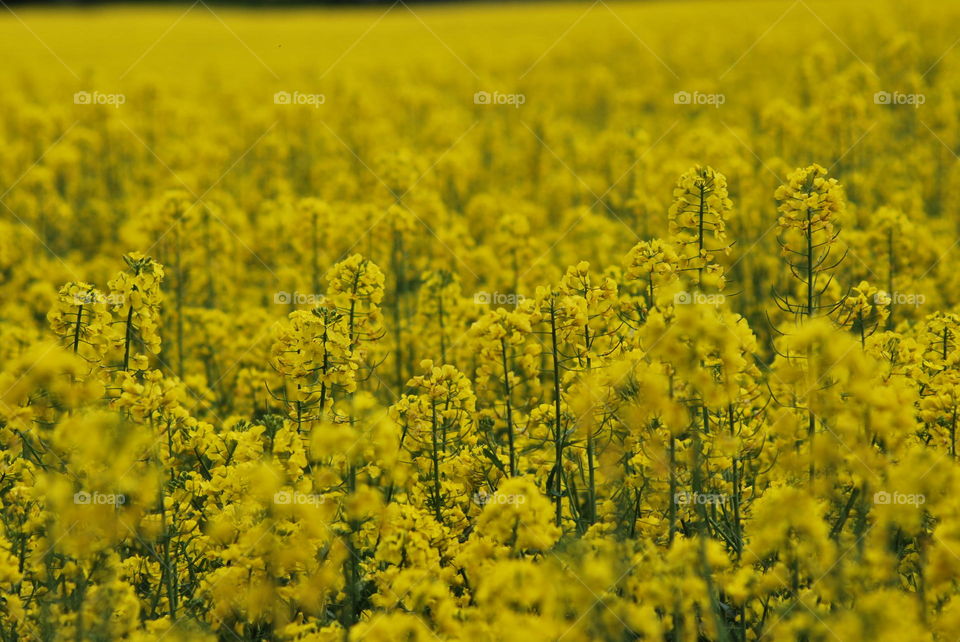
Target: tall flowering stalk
[
  {"x": 940, "y": 380},
  {"x": 651, "y": 265},
  {"x": 810, "y": 206},
  {"x": 355, "y": 289},
  {"x": 564, "y": 318},
  {"x": 598, "y": 342},
  {"x": 81, "y": 319},
  {"x": 698, "y": 224},
  {"x": 437, "y": 422},
  {"x": 864, "y": 310},
  {"x": 136, "y": 299},
  {"x": 312, "y": 352},
  {"x": 440, "y": 305}
]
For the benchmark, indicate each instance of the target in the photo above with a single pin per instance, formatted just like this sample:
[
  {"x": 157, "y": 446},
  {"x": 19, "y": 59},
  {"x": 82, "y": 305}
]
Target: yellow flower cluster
[{"x": 698, "y": 219}]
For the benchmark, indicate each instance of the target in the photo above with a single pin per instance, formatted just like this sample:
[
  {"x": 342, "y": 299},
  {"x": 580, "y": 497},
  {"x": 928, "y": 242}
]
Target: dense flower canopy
[{"x": 496, "y": 323}]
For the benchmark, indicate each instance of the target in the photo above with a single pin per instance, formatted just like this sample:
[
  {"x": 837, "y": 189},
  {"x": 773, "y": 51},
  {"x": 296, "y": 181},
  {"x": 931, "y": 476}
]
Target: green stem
[{"x": 557, "y": 430}]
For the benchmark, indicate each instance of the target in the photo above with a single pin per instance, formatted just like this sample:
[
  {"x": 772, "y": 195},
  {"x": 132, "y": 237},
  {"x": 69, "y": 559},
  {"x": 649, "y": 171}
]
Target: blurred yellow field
[{"x": 607, "y": 321}]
